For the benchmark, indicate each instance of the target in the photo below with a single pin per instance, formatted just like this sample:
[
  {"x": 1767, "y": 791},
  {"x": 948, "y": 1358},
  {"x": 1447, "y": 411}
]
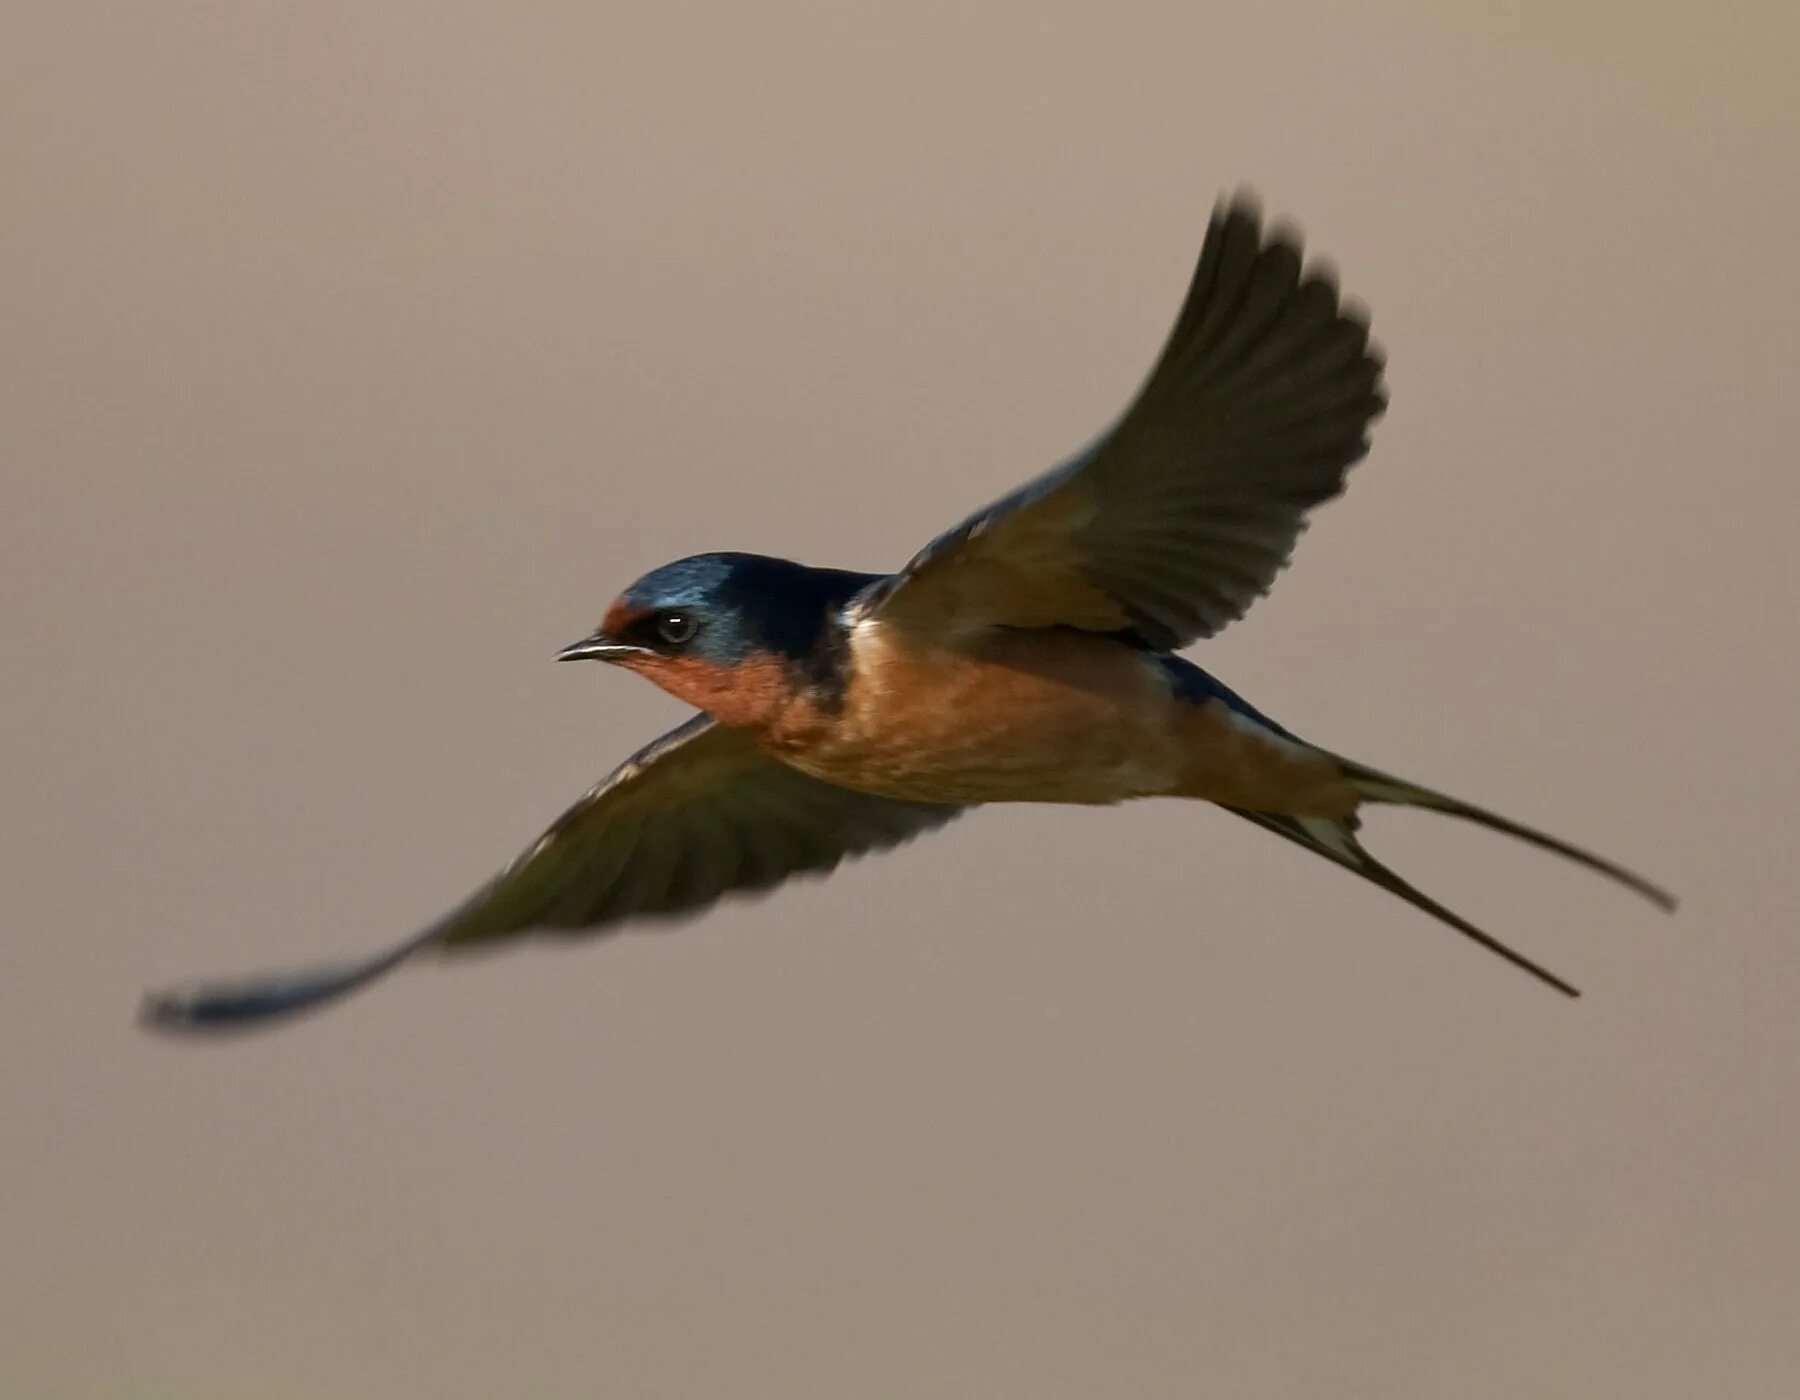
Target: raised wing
[
  {"x": 699, "y": 814},
  {"x": 1177, "y": 520}
]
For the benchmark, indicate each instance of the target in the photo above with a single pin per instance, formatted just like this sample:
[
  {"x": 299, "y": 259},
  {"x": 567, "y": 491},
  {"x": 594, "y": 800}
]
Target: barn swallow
[{"x": 1028, "y": 655}]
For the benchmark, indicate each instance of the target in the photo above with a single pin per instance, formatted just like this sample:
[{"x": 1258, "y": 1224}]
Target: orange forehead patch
[{"x": 618, "y": 617}]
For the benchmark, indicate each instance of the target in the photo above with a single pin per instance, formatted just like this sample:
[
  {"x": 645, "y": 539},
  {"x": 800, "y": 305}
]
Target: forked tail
[
  {"x": 1335, "y": 839},
  {"x": 1385, "y": 788}
]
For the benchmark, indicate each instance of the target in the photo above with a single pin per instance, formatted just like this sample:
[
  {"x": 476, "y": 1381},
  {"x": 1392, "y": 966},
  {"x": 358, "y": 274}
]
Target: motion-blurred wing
[
  {"x": 1177, "y": 520},
  {"x": 699, "y": 814}
]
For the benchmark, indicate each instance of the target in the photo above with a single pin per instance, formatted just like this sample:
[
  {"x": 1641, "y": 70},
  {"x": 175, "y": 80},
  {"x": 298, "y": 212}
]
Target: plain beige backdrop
[{"x": 352, "y": 356}]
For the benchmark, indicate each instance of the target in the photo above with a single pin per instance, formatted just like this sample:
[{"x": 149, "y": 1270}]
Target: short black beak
[{"x": 598, "y": 647}]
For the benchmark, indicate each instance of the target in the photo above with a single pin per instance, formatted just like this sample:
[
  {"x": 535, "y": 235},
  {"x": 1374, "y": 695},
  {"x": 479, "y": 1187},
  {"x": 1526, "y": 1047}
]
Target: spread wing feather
[
  {"x": 697, "y": 815},
  {"x": 1181, "y": 516}
]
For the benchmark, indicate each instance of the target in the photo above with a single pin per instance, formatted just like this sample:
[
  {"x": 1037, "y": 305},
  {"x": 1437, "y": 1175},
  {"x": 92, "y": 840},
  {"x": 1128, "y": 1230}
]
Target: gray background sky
[{"x": 353, "y": 356}]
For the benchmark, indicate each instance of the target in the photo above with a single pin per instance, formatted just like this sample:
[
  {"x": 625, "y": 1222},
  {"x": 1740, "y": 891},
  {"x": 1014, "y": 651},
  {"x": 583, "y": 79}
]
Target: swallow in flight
[{"x": 1028, "y": 655}]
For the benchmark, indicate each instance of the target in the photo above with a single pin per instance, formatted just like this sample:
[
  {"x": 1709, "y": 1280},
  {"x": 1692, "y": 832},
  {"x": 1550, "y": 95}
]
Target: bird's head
[{"x": 730, "y": 634}]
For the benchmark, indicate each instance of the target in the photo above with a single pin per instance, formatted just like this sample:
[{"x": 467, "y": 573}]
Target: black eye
[{"x": 676, "y": 627}]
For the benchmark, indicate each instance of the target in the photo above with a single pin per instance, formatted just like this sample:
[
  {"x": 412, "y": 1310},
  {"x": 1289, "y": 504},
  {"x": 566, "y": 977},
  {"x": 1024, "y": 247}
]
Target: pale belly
[{"x": 1016, "y": 716}]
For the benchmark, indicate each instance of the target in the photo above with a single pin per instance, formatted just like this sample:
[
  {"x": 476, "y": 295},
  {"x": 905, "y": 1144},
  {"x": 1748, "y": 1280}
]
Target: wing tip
[
  {"x": 208, "y": 1010},
  {"x": 211, "y": 1007},
  {"x": 165, "y": 1011},
  {"x": 1239, "y": 203}
]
